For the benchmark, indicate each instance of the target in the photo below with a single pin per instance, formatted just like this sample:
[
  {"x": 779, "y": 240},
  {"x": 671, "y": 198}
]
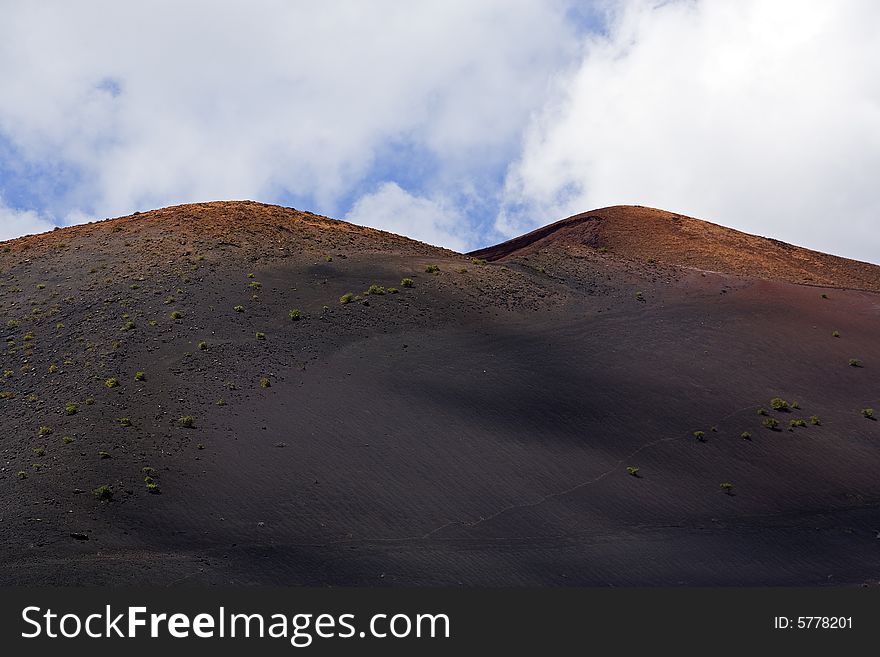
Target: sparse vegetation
[
  {"x": 67, "y": 440},
  {"x": 44, "y": 431},
  {"x": 239, "y": 309},
  {"x": 203, "y": 346},
  {"x": 176, "y": 314},
  {"x": 814, "y": 420},
  {"x": 745, "y": 435},
  {"x": 147, "y": 470},
  {"x": 376, "y": 289},
  {"x": 835, "y": 334},
  {"x": 70, "y": 408},
  {"x": 21, "y": 474},
  {"x": 104, "y": 493},
  {"x": 294, "y": 315},
  {"x": 406, "y": 282},
  {"x": 868, "y": 413},
  {"x": 153, "y": 488},
  {"x": 187, "y": 421},
  {"x": 140, "y": 376},
  {"x": 124, "y": 422},
  {"x": 103, "y": 455},
  {"x": 111, "y": 382},
  {"x": 771, "y": 423},
  {"x": 478, "y": 261},
  {"x": 727, "y": 487},
  {"x": 778, "y": 404},
  {"x": 39, "y": 451},
  {"x": 261, "y": 335},
  {"x": 632, "y": 470},
  {"x": 392, "y": 290},
  {"x": 432, "y": 269},
  {"x": 700, "y": 435},
  {"x": 795, "y": 405},
  {"x": 346, "y": 298},
  {"x": 797, "y": 422},
  {"x": 265, "y": 383},
  {"x": 855, "y": 362}
]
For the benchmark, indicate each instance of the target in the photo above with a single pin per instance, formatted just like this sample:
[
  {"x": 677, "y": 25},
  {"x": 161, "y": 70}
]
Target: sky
[{"x": 457, "y": 122}]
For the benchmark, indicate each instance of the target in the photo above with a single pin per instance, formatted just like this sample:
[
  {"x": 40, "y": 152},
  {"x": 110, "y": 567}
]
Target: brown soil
[{"x": 473, "y": 429}]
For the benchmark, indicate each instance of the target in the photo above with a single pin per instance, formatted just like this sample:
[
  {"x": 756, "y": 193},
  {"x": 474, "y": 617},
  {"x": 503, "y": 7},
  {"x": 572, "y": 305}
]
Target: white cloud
[
  {"x": 14, "y": 223},
  {"x": 759, "y": 115},
  {"x": 435, "y": 221},
  {"x": 164, "y": 102}
]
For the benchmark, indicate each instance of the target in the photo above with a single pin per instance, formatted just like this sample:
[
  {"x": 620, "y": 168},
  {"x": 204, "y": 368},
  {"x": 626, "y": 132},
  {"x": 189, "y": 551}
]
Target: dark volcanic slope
[
  {"x": 472, "y": 429},
  {"x": 645, "y": 233}
]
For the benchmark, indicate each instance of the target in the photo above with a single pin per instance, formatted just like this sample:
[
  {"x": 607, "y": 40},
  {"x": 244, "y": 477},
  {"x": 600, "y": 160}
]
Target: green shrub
[
  {"x": 21, "y": 474},
  {"x": 797, "y": 422},
  {"x": 814, "y": 420},
  {"x": 256, "y": 285},
  {"x": 176, "y": 314},
  {"x": 376, "y": 289},
  {"x": 778, "y": 404},
  {"x": 147, "y": 470},
  {"x": 868, "y": 413},
  {"x": 128, "y": 326},
  {"x": 261, "y": 335},
  {"x": 203, "y": 346},
  {"x": 265, "y": 383},
  {"x": 771, "y": 423},
  {"x": 478, "y": 261},
  {"x": 39, "y": 451},
  {"x": 70, "y": 408},
  {"x": 700, "y": 435},
  {"x": 634, "y": 471},
  {"x": 406, "y": 282},
  {"x": 294, "y": 315},
  {"x": 104, "y": 455},
  {"x": 67, "y": 440},
  {"x": 745, "y": 435},
  {"x": 104, "y": 493},
  {"x": 153, "y": 488},
  {"x": 187, "y": 421},
  {"x": 432, "y": 269},
  {"x": 44, "y": 431},
  {"x": 140, "y": 376},
  {"x": 392, "y": 290},
  {"x": 239, "y": 309},
  {"x": 795, "y": 405},
  {"x": 727, "y": 487},
  {"x": 124, "y": 422},
  {"x": 835, "y": 334},
  {"x": 111, "y": 382},
  {"x": 346, "y": 298},
  {"x": 855, "y": 362}
]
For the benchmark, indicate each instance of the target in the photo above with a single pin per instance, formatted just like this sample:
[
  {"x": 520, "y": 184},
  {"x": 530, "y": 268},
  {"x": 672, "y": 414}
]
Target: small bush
[
  {"x": 634, "y": 471},
  {"x": 814, "y": 420},
  {"x": 21, "y": 474},
  {"x": 176, "y": 314},
  {"x": 111, "y": 382},
  {"x": 261, "y": 335},
  {"x": 203, "y": 346},
  {"x": 128, "y": 326},
  {"x": 147, "y": 470},
  {"x": 104, "y": 455},
  {"x": 187, "y": 421},
  {"x": 797, "y": 422},
  {"x": 7, "y": 394},
  {"x": 265, "y": 383},
  {"x": 855, "y": 362},
  {"x": 376, "y": 289},
  {"x": 727, "y": 487},
  {"x": 745, "y": 435},
  {"x": 104, "y": 493},
  {"x": 392, "y": 290},
  {"x": 256, "y": 285},
  {"x": 239, "y": 309},
  {"x": 700, "y": 435},
  {"x": 124, "y": 422},
  {"x": 868, "y": 413},
  {"x": 44, "y": 431},
  {"x": 70, "y": 408},
  {"x": 346, "y": 298},
  {"x": 153, "y": 488},
  {"x": 432, "y": 269},
  {"x": 294, "y": 315},
  {"x": 67, "y": 440},
  {"x": 406, "y": 282},
  {"x": 762, "y": 411},
  {"x": 39, "y": 451},
  {"x": 771, "y": 423},
  {"x": 795, "y": 405},
  {"x": 140, "y": 376},
  {"x": 778, "y": 404},
  {"x": 478, "y": 261},
  {"x": 835, "y": 334}
]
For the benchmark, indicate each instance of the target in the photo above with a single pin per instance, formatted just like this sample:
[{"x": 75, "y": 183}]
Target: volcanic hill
[{"x": 233, "y": 392}]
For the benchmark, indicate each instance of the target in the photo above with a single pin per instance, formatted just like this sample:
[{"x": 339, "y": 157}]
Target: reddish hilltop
[{"x": 641, "y": 233}]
